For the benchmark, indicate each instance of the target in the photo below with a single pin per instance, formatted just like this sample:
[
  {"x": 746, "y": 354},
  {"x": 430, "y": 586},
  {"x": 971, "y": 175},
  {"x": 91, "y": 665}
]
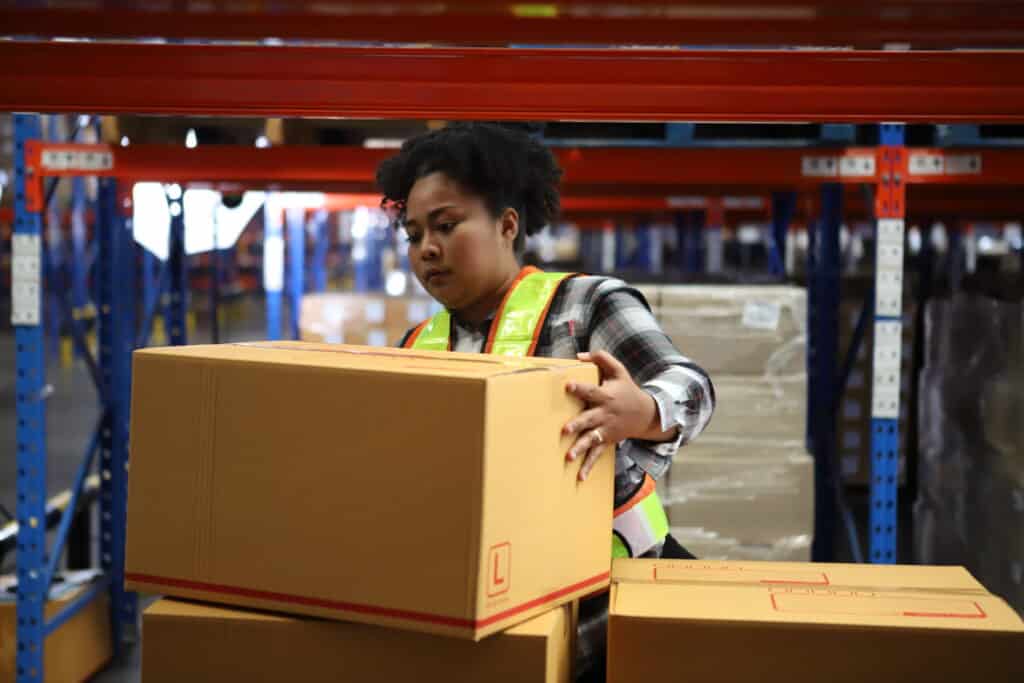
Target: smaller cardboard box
[
  {"x": 364, "y": 319},
  {"x": 76, "y": 650},
  {"x": 688, "y": 621},
  {"x": 196, "y": 642}
]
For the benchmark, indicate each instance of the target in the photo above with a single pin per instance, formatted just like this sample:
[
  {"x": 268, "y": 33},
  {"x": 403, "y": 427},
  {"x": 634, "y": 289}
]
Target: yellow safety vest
[{"x": 640, "y": 523}]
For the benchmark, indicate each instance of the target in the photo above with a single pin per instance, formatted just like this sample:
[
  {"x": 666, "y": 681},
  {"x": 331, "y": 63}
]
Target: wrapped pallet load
[{"x": 745, "y": 490}]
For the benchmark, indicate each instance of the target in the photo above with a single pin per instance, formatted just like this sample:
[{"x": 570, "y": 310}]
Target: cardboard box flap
[
  {"x": 904, "y": 578},
  {"x": 377, "y": 359},
  {"x": 723, "y": 603}
]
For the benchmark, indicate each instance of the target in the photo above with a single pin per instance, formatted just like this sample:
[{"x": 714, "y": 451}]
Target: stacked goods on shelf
[
  {"x": 230, "y": 644},
  {"x": 789, "y": 621},
  {"x": 970, "y": 506},
  {"x": 361, "y": 319},
  {"x": 745, "y": 488},
  {"x": 853, "y": 419},
  {"x": 74, "y": 651},
  {"x": 378, "y": 486}
]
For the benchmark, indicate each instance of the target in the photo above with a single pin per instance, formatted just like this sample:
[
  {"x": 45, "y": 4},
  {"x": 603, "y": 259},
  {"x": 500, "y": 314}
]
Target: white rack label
[
  {"x": 885, "y": 389},
  {"x": 76, "y": 160},
  {"x": 860, "y": 166},
  {"x": 889, "y": 268},
  {"x": 762, "y": 315},
  {"x": 921, "y": 163},
  {"x": 26, "y": 285},
  {"x": 819, "y": 167}
]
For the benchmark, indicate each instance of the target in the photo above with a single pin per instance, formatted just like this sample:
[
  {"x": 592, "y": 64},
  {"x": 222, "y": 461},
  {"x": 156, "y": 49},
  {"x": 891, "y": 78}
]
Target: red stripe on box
[{"x": 366, "y": 609}]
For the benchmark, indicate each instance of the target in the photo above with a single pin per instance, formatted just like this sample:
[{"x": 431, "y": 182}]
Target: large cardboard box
[
  {"x": 686, "y": 621},
  {"x": 195, "y": 642},
  {"x": 418, "y": 490},
  {"x": 76, "y": 650}
]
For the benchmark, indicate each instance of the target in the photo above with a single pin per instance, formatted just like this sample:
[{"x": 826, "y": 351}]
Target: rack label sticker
[
  {"x": 762, "y": 315},
  {"x": 963, "y": 164},
  {"x": 885, "y": 390},
  {"x": 922, "y": 163},
  {"x": 857, "y": 166},
  {"x": 76, "y": 160},
  {"x": 889, "y": 268},
  {"x": 819, "y": 166},
  {"x": 26, "y": 287}
]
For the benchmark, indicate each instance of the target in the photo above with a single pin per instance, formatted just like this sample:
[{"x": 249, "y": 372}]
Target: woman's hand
[{"x": 617, "y": 409}]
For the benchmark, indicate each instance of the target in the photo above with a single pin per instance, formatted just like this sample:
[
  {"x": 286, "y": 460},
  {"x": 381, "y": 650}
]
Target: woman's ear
[{"x": 510, "y": 225}]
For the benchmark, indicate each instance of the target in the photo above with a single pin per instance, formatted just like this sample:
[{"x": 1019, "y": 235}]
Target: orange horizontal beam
[
  {"x": 863, "y": 27},
  {"x": 513, "y": 84},
  {"x": 661, "y": 172}
]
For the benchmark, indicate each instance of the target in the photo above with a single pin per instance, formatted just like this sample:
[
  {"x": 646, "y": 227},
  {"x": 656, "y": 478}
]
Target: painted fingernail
[
  {"x": 583, "y": 475},
  {"x": 569, "y": 429},
  {"x": 570, "y": 456},
  {"x": 570, "y": 386}
]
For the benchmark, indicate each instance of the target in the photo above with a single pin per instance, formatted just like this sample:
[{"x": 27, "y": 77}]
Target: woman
[{"x": 467, "y": 196}]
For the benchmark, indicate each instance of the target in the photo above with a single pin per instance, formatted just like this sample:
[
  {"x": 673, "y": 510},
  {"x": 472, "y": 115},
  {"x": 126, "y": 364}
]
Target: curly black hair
[{"x": 501, "y": 164}]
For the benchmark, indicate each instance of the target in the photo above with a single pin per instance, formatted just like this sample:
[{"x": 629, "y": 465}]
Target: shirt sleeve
[{"x": 622, "y": 325}]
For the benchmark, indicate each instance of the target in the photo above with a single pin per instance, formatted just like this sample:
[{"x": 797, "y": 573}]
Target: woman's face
[{"x": 459, "y": 251}]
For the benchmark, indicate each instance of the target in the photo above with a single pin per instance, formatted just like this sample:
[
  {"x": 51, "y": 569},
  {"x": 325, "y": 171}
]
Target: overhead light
[
  {"x": 125, "y": 141},
  {"x": 262, "y": 142},
  {"x": 175, "y": 209},
  {"x": 174, "y": 192},
  {"x": 83, "y": 120},
  {"x": 191, "y": 140},
  {"x": 396, "y": 283}
]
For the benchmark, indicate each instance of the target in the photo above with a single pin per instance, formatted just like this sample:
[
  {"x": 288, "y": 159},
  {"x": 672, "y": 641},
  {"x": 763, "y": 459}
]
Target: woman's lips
[{"x": 438, "y": 277}]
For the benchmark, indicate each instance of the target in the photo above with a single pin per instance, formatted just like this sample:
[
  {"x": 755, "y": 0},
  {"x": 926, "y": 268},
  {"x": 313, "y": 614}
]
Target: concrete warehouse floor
[{"x": 72, "y": 411}]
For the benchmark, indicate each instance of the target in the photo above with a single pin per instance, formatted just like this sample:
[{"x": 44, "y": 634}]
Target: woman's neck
[{"x": 484, "y": 308}]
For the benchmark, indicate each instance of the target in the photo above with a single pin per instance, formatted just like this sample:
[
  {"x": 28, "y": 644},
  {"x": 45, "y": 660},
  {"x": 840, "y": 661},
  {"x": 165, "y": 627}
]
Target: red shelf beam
[
  {"x": 750, "y": 24},
  {"x": 513, "y": 84}
]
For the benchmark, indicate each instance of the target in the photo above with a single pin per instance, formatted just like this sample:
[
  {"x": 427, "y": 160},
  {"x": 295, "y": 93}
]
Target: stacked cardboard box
[
  {"x": 385, "y": 487},
  {"x": 74, "y": 651},
  {"x": 360, "y": 319},
  {"x": 745, "y": 488},
  {"x": 683, "y": 621}
]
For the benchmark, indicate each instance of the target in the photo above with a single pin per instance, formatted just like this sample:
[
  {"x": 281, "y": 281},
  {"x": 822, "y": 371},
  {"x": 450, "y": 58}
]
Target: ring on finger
[{"x": 598, "y": 435}]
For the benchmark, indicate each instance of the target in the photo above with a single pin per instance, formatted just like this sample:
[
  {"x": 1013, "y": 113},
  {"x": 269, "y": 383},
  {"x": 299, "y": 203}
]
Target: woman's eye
[
  {"x": 446, "y": 226},
  {"x": 413, "y": 238}
]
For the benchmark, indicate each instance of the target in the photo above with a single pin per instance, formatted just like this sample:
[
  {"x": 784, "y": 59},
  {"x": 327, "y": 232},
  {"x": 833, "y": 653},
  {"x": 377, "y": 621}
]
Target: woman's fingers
[
  {"x": 588, "y": 393},
  {"x": 593, "y": 455},
  {"x": 588, "y": 419},
  {"x": 586, "y": 441}
]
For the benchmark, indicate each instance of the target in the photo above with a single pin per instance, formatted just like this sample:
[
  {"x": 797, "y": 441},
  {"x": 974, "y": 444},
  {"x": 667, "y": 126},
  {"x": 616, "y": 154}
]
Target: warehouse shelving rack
[{"x": 475, "y": 83}]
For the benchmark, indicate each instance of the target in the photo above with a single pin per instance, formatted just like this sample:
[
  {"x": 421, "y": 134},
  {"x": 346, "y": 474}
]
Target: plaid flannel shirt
[{"x": 591, "y": 313}]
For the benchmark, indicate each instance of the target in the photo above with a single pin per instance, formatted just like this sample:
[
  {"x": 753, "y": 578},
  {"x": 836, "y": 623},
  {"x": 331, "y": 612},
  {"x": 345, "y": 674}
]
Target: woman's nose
[{"x": 430, "y": 249}]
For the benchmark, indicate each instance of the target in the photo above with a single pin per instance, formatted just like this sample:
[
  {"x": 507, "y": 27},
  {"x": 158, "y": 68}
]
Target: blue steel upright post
[
  {"x": 117, "y": 265},
  {"x": 822, "y": 351},
  {"x": 30, "y": 407},
  {"x": 273, "y": 264},
  {"x": 296, "y": 220},
  {"x": 885, "y": 387},
  {"x": 175, "y": 313}
]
